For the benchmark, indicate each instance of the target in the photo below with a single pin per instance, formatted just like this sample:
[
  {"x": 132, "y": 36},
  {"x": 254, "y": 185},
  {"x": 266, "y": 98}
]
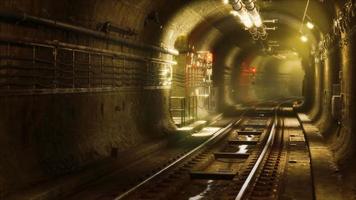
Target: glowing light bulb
[
  {"x": 310, "y": 25},
  {"x": 244, "y": 17},
  {"x": 246, "y": 20},
  {"x": 304, "y": 38},
  {"x": 225, "y": 1},
  {"x": 255, "y": 17}
]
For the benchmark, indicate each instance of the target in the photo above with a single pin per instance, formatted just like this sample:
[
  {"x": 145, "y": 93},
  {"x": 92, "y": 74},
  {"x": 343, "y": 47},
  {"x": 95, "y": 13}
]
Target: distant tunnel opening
[{"x": 268, "y": 78}]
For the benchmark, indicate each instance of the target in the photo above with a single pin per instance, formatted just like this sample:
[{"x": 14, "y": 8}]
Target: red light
[{"x": 253, "y": 69}]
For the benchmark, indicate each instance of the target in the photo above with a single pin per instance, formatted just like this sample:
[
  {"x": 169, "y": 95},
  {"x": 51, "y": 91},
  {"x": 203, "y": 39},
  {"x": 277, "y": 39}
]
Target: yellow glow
[
  {"x": 234, "y": 13},
  {"x": 258, "y": 21},
  {"x": 206, "y": 132},
  {"x": 199, "y": 122},
  {"x": 256, "y": 18},
  {"x": 225, "y": 1},
  {"x": 246, "y": 20},
  {"x": 310, "y": 25},
  {"x": 304, "y": 38},
  {"x": 244, "y": 17},
  {"x": 186, "y": 128}
]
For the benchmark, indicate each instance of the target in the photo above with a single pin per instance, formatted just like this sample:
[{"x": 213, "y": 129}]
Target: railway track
[
  {"x": 264, "y": 178},
  {"x": 244, "y": 160}
]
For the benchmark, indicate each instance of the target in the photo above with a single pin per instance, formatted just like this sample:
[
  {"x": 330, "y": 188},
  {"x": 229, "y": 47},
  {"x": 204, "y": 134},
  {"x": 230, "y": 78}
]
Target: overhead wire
[{"x": 304, "y": 15}]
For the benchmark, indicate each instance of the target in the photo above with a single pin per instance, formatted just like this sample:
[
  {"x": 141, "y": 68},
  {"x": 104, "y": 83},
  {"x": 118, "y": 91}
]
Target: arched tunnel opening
[{"x": 179, "y": 99}]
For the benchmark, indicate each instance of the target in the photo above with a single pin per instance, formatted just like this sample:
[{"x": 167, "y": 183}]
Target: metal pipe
[
  {"x": 109, "y": 27},
  {"x": 270, "y": 28},
  {"x": 273, "y": 21},
  {"x": 23, "y": 17},
  {"x": 78, "y": 48}
]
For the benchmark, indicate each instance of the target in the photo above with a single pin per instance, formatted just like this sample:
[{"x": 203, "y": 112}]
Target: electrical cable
[{"x": 304, "y": 15}]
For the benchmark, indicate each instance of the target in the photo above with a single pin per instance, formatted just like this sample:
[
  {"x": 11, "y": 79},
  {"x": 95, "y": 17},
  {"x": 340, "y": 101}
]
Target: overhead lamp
[
  {"x": 241, "y": 12},
  {"x": 310, "y": 25},
  {"x": 304, "y": 38},
  {"x": 256, "y": 18},
  {"x": 245, "y": 19},
  {"x": 226, "y": 1},
  {"x": 253, "y": 13}
]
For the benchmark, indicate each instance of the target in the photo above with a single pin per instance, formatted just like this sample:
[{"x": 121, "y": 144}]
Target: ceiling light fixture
[
  {"x": 252, "y": 11},
  {"x": 304, "y": 38},
  {"x": 241, "y": 12},
  {"x": 246, "y": 21},
  {"x": 310, "y": 25},
  {"x": 249, "y": 16},
  {"x": 247, "y": 12}
]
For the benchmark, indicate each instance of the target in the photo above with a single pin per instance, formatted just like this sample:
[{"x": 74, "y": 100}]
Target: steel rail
[
  {"x": 222, "y": 132},
  {"x": 268, "y": 145}
]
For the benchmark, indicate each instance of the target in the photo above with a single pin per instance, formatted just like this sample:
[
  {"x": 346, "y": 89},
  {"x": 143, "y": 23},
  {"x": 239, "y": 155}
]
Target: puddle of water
[
  {"x": 202, "y": 194},
  {"x": 242, "y": 149},
  {"x": 247, "y": 137}
]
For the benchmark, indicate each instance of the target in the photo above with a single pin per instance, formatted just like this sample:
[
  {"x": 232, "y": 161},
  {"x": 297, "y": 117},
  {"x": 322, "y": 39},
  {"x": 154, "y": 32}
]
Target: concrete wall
[
  {"x": 338, "y": 67},
  {"x": 338, "y": 56},
  {"x": 46, "y": 135}
]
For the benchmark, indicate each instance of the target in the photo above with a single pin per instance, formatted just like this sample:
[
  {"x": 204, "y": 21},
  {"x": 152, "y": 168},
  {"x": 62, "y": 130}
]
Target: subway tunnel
[{"x": 177, "y": 99}]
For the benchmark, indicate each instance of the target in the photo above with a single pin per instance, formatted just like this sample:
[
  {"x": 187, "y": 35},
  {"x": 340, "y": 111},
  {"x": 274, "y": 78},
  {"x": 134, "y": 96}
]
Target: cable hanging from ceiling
[{"x": 304, "y": 37}]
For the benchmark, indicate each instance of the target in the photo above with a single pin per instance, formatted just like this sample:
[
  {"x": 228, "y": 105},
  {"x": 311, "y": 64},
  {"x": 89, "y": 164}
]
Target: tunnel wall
[
  {"x": 224, "y": 64},
  {"x": 316, "y": 111},
  {"x": 46, "y": 133},
  {"x": 308, "y": 92},
  {"x": 326, "y": 122},
  {"x": 346, "y": 141},
  {"x": 51, "y": 135},
  {"x": 336, "y": 54}
]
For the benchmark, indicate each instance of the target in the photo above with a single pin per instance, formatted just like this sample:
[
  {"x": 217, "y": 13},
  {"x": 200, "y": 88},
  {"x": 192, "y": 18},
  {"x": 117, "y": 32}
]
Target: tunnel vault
[{"x": 83, "y": 81}]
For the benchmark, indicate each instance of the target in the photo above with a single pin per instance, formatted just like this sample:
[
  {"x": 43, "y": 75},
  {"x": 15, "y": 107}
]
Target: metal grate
[
  {"x": 184, "y": 109},
  {"x": 28, "y": 65}
]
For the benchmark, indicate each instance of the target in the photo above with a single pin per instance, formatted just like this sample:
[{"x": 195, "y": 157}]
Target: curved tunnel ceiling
[
  {"x": 213, "y": 28},
  {"x": 213, "y": 21},
  {"x": 208, "y": 25}
]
